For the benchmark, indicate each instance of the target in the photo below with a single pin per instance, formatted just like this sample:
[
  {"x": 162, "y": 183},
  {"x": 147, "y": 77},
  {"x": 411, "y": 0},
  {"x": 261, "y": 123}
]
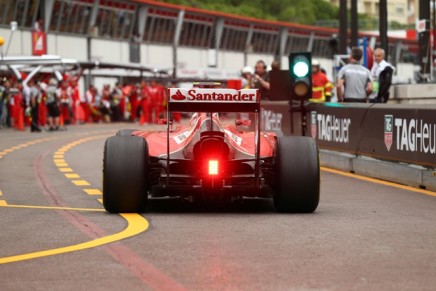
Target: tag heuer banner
[{"x": 389, "y": 132}]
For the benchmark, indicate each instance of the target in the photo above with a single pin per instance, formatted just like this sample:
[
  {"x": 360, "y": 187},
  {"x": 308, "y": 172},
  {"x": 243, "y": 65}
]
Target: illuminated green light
[{"x": 301, "y": 69}]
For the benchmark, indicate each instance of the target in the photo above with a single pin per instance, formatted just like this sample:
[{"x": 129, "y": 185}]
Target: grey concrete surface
[{"x": 363, "y": 236}]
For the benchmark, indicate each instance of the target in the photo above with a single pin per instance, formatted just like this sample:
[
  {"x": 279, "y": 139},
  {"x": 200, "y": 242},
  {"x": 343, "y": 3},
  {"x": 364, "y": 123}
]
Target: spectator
[
  {"x": 116, "y": 97},
  {"x": 65, "y": 99},
  {"x": 105, "y": 103},
  {"x": 247, "y": 77},
  {"x": 35, "y": 97},
  {"x": 85, "y": 103},
  {"x": 6, "y": 97},
  {"x": 52, "y": 102},
  {"x": 321, "y": 86},
  {"x": 276, "y": 66},
  {"x": 381, "y": 74},
  {"x": 355, "y": 78},
  {"x": 261, "y": 79}
]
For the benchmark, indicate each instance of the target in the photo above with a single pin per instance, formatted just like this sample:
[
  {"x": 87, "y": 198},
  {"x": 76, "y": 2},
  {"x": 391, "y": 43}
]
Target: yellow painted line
[
  {"x": 65, "y": 170},
  {"x": 381, "y": 182},
  {"x": 58, "y": 156},
  {"x": 1, "y": 193},
  {"x": 136, "y": 224},
  {"x": 92, "y": 191},
  {"x": 72, "y": 176},
  {"x": 59, "y": 153},
  {"x": 3, "y": 203},
  {"x": 59, "y": 160},
  {"x": 61, "y": 164},
  {"x": 8, "y": 150},
  {"x": 80, "y": 183},
  {"x": 100, "y": 200},
  {"x": 53, "y": 207}
]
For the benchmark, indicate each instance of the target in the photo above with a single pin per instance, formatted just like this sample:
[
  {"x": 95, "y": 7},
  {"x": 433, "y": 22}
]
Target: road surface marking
[
  {"x": 65, "y": 170},
  {"x": 52, "y": 207},
  {"x": 136, "y": 224},
  {"x": 81, "y": 183},
  {"x": 3, "y": 203},
  {"x": 381, "y": 182},
  {"x": 72, "y": 176},
  {"x": 92, "y": 191},
  {"x": 61, "y": 164}
]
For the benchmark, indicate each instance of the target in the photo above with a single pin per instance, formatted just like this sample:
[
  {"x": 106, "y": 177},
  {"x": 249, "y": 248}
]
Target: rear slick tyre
[
  {"x": 125, "y": 172},
  {"x": 297, "y": 172},
  {"x": 125, "y": 132}
]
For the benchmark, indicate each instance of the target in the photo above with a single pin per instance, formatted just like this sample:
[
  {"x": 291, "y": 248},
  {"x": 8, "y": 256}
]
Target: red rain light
[{"x": 213, "y": 167}]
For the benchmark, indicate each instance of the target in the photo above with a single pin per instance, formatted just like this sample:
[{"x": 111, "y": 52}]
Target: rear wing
[{"x": 213, "y": 100}]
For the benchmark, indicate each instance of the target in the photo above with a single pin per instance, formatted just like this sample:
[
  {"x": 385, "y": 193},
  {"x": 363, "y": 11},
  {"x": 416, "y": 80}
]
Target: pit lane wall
[{"x": 390, "y": 142}]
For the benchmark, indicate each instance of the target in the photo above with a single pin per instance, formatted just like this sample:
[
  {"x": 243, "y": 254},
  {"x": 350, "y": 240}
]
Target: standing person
[
  {"x": 2, "y": 90},
  {"x": 18, "y": 109},
  {"x": 52, "y": 101},
  {"x": 85, "y": 104},
  {"x": 355, "y": 78},
  {"x": 156, "y": 93},
  {"x": 133, "y": 100},
  {"x": 247, "y": 74},
  {"x": 321, "y": 86},
  {"x": 6, "y": 96},
  {"x": 381, "y": 74},
  {"x": 75, "y": 99},
  {"x": 261, "y": 79},
  {"x": 116, "y": 97},
  {"x": 105, "y": 103},
  {"x": 65, "y": 98},
  {"x": 145, "y": 104},
  {"x": 35, "y": 97}
]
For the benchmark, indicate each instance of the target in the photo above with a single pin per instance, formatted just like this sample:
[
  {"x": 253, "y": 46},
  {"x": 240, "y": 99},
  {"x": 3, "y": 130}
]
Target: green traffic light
[{"x": 301, "y": 69}]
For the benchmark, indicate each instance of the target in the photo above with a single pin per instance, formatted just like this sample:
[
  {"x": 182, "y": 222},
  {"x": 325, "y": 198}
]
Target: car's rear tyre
[
  {"x": 296, "y": 167},
  {"x": 125, "y": 132},
  {"x": 125, "y": 174}
]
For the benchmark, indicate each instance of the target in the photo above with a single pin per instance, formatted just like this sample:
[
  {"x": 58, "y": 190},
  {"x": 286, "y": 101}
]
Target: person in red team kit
[
  {"x": 133, "y": 100},
  {"x": 156, "y": 93},
  {"x": 145, "y": 104},
  {"x": 75, "y": 99}
]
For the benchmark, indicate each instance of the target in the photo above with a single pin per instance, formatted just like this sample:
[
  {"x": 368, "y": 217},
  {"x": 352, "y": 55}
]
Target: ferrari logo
[
  {"x": 313, "y": 123},
  {"x": 389, "y": 119}
]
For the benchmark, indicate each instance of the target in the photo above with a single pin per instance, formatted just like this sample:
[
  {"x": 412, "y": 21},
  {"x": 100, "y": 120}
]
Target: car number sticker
[{"x": 234, "y": 137}]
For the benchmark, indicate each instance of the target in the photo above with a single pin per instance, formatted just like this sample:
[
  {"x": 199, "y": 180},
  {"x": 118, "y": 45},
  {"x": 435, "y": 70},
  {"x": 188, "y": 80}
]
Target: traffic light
[{"x": 300, "y": 70}]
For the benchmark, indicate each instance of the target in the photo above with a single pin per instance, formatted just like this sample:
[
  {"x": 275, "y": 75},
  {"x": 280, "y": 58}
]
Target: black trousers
[{"x": 35, "y": 118}]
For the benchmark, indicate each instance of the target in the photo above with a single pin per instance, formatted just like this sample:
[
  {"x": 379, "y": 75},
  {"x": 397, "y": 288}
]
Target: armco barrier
[{"x": 391, "y": 142}]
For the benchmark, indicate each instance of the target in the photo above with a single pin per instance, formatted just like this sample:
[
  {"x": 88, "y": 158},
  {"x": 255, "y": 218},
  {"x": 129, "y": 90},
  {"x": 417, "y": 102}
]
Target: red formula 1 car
[{"x": 209, "y": 160}]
